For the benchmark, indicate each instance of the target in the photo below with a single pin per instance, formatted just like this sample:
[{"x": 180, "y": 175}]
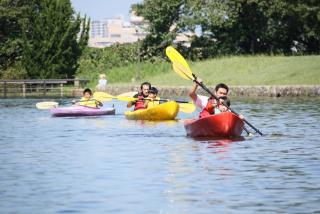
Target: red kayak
[{"x": 224, "y": 124}]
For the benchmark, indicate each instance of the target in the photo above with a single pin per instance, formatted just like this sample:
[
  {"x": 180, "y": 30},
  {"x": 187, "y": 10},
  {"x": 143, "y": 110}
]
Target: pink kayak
[{"x": 75, "y": 111}]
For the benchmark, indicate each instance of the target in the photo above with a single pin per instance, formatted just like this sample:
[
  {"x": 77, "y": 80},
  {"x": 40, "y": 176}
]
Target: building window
[{"x": 115, "y": 35}]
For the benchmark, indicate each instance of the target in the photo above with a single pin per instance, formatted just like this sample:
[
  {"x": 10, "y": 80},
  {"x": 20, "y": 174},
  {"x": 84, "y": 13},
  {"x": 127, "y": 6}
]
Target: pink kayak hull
[{"x": 78, "y": 111}]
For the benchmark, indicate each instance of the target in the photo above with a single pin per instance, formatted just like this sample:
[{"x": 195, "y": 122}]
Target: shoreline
[{"x": 245, "y": 91}]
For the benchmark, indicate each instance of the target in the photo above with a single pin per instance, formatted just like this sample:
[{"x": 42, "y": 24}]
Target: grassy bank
[{"x": 234, "y": 70}]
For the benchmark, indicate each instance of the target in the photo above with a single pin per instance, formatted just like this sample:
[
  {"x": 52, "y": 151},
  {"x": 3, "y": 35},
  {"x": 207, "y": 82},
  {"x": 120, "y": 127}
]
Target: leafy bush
[
  {"x": 119, "y": 62},
  {"x": 14, "y": 72},
  {"x": 109, "y": 57}
]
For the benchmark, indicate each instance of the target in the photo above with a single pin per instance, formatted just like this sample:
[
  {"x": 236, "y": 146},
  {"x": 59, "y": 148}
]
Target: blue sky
[{"x": 100, "y": 9}]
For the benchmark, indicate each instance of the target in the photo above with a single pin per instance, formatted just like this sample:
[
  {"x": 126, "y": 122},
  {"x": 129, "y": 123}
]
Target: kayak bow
[
  {"x": 76, "y": 111},
  {"x": 225, "y": 124},
  {"x": 165, "y": 111}
]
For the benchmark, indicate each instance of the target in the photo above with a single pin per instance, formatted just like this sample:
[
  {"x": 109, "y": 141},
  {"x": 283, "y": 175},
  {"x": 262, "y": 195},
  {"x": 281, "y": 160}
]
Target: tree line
[
  {"x": 47, "y": 39},
  {"x": 233, "y": 26},
  {"x": 40, "y": 39}
]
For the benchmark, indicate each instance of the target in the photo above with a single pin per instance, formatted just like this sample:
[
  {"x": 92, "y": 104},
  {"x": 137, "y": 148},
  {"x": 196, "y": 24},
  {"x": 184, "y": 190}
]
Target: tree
[
  {"x": 162, "y": 17},
  {"x": 302, "y": 23},
  {"x": 12, "y": 18},
  {"x": 257, "y": 26},
  {"x": 234, "y": 26},
  {"x": 56, "y": 40}
]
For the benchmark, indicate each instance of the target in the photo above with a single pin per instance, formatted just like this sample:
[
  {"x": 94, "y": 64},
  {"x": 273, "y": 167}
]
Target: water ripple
[{"x": 111, "y": 165}]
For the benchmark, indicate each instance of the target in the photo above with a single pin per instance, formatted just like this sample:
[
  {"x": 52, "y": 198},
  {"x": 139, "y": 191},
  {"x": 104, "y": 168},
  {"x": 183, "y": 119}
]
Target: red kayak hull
[{"x": 224, "y": 124}]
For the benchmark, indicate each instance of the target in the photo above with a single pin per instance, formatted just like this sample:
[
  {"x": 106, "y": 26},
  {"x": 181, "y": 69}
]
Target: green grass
[
  {"x": 234, "y": 70},
  {"x": 128, "y": 74}
]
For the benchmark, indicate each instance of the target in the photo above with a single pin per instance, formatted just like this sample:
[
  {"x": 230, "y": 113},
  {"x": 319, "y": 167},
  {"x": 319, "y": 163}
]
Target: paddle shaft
[
  {"x": 79, "y": 101},
  {"x": 163, "y": 100},
  {"x": 216, "y": 98},
  {"x": 177, "y": 101}
]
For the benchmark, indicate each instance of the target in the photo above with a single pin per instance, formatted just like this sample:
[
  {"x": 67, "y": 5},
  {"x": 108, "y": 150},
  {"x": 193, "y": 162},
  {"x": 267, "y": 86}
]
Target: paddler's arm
[
  {"x": 193, "y": 90},
  {"x": 130, "y": 104},
  {"x": 98, "y": 103},
  {"x": 146, "y": 103}
]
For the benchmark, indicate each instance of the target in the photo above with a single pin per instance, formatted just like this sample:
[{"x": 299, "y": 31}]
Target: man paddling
[
  {"x": 208, "y": 104},
  {"x": 144, "y": 91}
]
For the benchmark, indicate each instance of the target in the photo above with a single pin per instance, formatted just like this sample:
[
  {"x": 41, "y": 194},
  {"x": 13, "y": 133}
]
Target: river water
[{"x": 111, "y": 165}]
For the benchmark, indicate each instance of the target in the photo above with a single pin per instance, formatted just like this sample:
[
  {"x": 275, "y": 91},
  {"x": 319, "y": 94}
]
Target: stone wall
[{"x": 250, "y": 91}]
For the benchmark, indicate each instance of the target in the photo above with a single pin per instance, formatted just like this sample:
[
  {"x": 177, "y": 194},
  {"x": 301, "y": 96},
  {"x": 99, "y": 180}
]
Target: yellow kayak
[{"x": 165, "y": 111}]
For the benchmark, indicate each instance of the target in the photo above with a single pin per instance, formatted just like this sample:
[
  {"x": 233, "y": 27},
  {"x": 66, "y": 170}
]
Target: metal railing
[{"x": 39, "y": 88}]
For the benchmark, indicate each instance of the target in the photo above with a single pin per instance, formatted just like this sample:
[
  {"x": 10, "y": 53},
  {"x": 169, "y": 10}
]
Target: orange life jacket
[
  {"x": 209, "y": 109},
  {"x": 139, "y": 103}
]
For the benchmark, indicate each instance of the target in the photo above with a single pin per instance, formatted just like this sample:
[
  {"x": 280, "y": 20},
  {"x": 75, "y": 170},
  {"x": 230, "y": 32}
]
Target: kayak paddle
[
  {"x": 128, "y": 94},
  {"x": 181, "y": 67},
  {"x": 102, "y": 96},
  {"x": 47, "y": 105},
  {"x": 184, "y": 106},
  {"x": 50, "y": 105}
]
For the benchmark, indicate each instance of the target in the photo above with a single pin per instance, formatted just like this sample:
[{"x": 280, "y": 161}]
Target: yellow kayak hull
[{"x": 165, "y": 111}]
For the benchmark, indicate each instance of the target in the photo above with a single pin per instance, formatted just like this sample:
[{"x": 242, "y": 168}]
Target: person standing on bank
[
  {"x": 102, "y": 83},
  {"x": 144, "y": 92}
]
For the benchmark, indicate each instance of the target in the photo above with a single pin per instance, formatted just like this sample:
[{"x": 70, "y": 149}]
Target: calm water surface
[{"x": 111, "y": 165}]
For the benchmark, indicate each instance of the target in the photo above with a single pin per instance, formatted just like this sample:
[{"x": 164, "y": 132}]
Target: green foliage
[
  {"x": 56, "y": 40},
  {"x": 15, "y": 72},
  {"x": 46, "y": 39},
  {"x": 233, "y": 27},
  {"x": 302, "y": 20},
  {"x": 106, "y": 58},
  {"x": 119, "y": 62},
  {"x": 162, "y": 17},
  {"x": 12, "y": 18}
]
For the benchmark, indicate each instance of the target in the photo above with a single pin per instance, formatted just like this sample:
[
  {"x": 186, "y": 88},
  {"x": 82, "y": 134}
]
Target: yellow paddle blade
[
  {"x": 126, "y": 99},
  {"x": 46, "y": 105},
  {"x": 102, "y": 96},
  {"x": 187, "y": 107},
  {"x": 128, "y": 94},
  {"x": 182, "y": 71},
  {"x": 180, "y": 65}
]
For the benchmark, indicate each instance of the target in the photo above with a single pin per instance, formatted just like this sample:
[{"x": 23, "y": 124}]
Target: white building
[
  {"x": 116, "y": 30},
  {"x": 107, "y": 32}
]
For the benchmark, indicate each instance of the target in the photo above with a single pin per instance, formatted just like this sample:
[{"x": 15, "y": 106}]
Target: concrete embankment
[{"x": 249, "y": 91}]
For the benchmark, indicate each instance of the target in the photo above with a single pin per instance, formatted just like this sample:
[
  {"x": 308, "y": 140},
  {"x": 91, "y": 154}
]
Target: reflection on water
[
  {"x": 146, "y": 124},
  {"x": 112, "y": 165}
]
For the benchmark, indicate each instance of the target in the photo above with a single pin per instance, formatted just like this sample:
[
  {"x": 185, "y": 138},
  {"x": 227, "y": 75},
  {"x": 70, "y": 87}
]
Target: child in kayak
[
  {"x": 87, "y": 99},
  {"x": 139, "y": 104},
  {"x": 151, "y": 99},
  {"x": 223, "y": 107},
  {"x": 219, "y": 108}
]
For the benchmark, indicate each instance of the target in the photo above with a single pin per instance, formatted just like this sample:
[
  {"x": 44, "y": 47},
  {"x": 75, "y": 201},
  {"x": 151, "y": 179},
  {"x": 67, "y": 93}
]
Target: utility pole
[{"x": 138, "y": 52}]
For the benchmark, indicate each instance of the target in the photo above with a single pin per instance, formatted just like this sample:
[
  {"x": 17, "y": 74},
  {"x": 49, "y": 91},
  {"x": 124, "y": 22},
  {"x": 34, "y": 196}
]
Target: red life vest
[
  {"x": 209, "y": 109},
  {"x": 139, "y": 103}
]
